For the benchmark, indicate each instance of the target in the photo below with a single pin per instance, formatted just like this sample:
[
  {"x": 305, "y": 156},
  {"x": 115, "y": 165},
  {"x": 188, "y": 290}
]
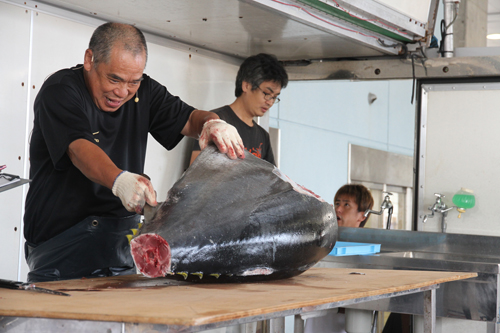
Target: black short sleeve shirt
[
  {"x": 60, "y": 195},
  {"x": 255, "y": 138}
]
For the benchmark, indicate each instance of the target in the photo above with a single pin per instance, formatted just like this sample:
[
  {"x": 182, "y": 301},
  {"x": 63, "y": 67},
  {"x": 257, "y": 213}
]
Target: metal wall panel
[
  {"x": 458, "y": 148},
  {"x": 14, "y": 90},
  {"x": 417, "y": 9},
  {"x": 378, "y": 166}
]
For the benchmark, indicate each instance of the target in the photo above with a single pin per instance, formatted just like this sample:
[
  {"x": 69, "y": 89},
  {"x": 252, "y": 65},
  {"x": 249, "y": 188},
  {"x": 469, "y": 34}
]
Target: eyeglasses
[{"x": 270, "y": 97}]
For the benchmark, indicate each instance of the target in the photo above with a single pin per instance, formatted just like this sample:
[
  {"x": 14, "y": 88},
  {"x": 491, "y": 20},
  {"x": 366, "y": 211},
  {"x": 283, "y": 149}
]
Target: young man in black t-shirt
[{"x": 258, "y": 84}]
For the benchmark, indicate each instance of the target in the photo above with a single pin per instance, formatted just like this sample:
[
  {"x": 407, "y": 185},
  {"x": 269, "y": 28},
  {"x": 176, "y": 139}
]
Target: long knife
[{"x": 29, "y": 286}]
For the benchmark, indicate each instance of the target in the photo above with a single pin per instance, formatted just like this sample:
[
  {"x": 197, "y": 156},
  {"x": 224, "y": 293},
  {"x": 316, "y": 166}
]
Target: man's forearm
[
  {"x": 195, "y": 123},
  {"x": 93, "y": 162}
]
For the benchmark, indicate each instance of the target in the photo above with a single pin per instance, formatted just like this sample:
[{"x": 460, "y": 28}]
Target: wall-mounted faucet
[
  {"x": 439, "y": 207},
  {"x": 386, "y": 204}
]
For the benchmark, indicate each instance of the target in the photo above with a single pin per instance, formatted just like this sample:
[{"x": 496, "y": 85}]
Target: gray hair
[{"x": 107, "y": 35}]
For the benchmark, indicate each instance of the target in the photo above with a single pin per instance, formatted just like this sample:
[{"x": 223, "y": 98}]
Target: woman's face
[{"x": 346, "y": 209}]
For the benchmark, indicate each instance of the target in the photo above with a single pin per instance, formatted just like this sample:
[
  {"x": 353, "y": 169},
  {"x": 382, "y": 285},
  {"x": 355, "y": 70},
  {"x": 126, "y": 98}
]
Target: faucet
[
  {"x": 386, "y": 204},
  {"x": 440, "y": 207}
]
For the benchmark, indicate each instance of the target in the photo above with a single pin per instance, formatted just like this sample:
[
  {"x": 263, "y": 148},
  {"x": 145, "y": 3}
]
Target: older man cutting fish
[{"x": 88, "y": 150}]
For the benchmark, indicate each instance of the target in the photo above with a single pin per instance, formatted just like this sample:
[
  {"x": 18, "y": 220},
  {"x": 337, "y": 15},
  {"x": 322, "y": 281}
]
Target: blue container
[{"x": 353, "y": 249}]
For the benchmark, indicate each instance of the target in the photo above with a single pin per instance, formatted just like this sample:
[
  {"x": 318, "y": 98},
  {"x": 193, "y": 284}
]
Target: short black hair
[{"x": 260, "y": 68}]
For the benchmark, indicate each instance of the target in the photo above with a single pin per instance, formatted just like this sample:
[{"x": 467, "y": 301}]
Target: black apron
[{"x": 95, "y": 247}]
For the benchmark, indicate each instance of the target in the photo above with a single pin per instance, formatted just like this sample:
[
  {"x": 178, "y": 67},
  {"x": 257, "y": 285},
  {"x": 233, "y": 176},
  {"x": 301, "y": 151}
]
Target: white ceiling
[{"x": 240, "y": 28}]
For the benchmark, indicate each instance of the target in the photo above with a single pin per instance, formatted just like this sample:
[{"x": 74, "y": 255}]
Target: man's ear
[
  {"x": 246, "y": 86},
  {"x": 361, "y": 217},
  {"x": 88, "y": 60}
]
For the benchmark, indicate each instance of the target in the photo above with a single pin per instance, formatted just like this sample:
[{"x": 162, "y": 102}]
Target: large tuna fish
[{"x": 235, "y": 219}]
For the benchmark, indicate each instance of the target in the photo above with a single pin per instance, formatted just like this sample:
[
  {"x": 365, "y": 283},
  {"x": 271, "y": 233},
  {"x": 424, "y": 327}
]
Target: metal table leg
[
  {"x": 491, "y": 328},
  {"x": 298, "y": 325},
  {"x": 430, "y": 311},
  {"x": 249, "y": 327},
  {"x": 277, "y": 325}
]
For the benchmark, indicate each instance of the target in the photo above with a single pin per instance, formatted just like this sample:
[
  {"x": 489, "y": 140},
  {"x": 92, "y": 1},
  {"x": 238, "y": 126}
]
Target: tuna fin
[
  {"x": 200, "y": 275},
  {"x": 216, "y": 275},
  {"x": 134, "y": 231},
  {"x": 184, "y": 274},
  {"x": 139, "y": 226},
  {"x": 129, "y": 237}
]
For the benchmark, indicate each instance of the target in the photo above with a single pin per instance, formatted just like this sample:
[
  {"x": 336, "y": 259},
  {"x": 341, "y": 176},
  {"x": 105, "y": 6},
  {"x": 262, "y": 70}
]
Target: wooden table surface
[{"x": 137, "y": 299}]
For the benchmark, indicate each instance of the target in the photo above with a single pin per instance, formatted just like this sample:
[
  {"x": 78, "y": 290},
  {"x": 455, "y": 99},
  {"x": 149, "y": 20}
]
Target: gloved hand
[
  {"x": 225, "y": 137},
  {"x": 134, "y": 191}
]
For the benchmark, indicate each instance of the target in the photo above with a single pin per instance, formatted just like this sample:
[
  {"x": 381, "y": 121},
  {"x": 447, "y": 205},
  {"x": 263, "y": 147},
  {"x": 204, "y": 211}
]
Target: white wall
[
  {"x": 38, "y": 43},
  {"x": 318, "y": 120}
]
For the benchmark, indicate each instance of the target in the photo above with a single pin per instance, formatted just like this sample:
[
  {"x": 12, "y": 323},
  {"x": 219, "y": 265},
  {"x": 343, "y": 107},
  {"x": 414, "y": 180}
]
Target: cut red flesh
[{"x": 151, "y": 254}]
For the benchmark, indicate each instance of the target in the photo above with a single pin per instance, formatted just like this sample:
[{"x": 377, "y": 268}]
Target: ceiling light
[{"x": 493, "y": 36}]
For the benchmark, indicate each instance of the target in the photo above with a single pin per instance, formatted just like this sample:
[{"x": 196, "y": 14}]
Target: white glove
[
  {"x": 134, "y": 191},
  {"x": 225, "y": 137}
]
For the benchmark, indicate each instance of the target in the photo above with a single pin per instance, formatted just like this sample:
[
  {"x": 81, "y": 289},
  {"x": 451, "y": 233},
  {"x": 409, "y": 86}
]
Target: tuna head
[{"x": 239, "y": 219}]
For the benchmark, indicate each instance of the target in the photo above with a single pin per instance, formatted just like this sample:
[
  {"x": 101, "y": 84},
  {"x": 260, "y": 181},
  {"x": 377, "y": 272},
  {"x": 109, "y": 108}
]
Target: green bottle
[{"x": 464, "y": 199}]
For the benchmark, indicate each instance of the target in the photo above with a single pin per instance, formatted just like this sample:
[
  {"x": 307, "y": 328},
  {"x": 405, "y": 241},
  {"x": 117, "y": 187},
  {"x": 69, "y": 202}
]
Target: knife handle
[{"x": 9, "y": 284}]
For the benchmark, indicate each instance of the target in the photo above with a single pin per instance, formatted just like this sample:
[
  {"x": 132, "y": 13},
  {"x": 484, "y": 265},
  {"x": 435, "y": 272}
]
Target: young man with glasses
[{"x": 258, "y": 84}]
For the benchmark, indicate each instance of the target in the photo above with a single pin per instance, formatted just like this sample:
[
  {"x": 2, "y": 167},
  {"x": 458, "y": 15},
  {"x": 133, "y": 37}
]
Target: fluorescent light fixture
[{"x": 493, "y": 36}]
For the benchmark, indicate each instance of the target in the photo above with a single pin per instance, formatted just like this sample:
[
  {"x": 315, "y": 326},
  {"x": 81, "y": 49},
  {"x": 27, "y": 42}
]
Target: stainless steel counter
[{"x": 473, "y": 299}]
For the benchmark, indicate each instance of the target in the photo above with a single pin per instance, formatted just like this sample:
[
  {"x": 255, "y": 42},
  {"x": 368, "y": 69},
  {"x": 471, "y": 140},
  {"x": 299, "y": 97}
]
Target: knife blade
[
  {"x": 28, "y": 286},
  {"x": 148, "y": 211},
  {"x": 32, "y": 287}
]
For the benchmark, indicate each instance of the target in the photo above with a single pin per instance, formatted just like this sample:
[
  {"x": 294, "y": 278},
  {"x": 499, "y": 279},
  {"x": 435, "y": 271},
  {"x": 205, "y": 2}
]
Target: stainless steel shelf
[{"x": 13, "y": 185}]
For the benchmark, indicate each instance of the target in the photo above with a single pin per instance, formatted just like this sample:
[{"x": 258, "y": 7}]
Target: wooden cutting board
[{"x": 137, "y": 299}]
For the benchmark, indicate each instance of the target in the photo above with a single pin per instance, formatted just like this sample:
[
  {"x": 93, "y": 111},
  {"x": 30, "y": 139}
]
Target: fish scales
[{"x": 241, "y": 219}]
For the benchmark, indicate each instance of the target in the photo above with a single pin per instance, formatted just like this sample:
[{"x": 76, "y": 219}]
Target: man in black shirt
[
  {"x": 258, "y": 84},
  {"x": 87, "y": 154}
]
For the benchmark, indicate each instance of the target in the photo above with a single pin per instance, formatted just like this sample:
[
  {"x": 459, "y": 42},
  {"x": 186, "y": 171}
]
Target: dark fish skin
[{"x": 237, "y": 220}]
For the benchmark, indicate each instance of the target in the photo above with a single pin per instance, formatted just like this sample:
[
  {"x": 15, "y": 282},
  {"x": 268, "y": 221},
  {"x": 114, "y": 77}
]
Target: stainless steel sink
[
  {"x": 440, "y": 256},
  {"x": 443, "y": 261},
  {"x": 474, "y": 299}
]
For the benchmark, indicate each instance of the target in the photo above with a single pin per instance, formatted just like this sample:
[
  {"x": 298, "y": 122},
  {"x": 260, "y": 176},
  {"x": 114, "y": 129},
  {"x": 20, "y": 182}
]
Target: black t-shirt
[
  {"x": 255, "y": 138},
  {"x": 60, "y": 195}
]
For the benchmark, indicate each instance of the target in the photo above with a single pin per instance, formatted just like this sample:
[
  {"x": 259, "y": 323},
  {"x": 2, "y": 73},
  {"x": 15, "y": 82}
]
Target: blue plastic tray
[{"x": 352, "y": 249}]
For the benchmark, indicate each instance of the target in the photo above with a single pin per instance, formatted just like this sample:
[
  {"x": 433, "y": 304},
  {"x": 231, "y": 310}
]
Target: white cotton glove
[
  {"x": 134, "y": 191},
  {"x": 225, "y": 137}
]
